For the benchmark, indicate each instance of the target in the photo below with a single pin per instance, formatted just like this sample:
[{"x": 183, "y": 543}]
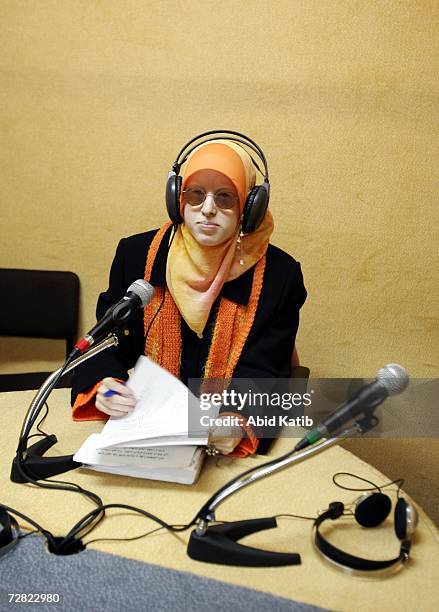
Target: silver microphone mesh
[
  {"x": 143, "y": 290},
  {"x": 394, "y": 378}
]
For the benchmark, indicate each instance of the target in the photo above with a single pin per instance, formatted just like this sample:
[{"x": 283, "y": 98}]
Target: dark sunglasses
[{"x": 224, "y": 199}]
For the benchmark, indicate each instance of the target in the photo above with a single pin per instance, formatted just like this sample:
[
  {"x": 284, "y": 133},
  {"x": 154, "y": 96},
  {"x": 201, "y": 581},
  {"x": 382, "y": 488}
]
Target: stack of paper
[{"x": 153, "y": 440}]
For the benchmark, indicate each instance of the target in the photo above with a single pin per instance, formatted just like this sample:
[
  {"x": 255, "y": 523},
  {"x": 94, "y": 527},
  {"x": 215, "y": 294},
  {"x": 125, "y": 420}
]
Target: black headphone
[
  {"x": 257, "y": 199},
  {"x": 370, "y": 510},
  {"x": 9, "y": 532}
]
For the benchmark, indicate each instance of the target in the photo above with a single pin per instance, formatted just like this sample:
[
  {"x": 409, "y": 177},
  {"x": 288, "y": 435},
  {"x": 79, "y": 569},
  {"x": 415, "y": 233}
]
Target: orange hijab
[{"x": 195, "y": 273}]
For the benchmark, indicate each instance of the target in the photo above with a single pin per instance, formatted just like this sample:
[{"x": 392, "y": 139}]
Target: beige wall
[{"x": 97, "y": 97}]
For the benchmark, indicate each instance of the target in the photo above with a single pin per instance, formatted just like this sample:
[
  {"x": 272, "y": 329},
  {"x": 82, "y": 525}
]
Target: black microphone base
[
  {"x": 42, "y": 467},
  {"x": 219, "y": 545}
]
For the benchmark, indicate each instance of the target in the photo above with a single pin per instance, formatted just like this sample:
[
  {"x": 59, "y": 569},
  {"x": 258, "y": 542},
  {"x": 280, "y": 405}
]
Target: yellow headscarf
[{"x": 195, "y": 273}]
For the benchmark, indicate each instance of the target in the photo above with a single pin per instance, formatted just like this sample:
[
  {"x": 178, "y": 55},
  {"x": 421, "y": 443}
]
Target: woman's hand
[
  {"x": 119, "y": 404},
  {"x": 225, "y": 438}
]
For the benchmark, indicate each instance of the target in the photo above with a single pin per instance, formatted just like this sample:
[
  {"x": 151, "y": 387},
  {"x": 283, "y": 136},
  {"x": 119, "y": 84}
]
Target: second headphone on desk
[
  {"x": 257, "y": 199},
  {"x": 370, "y": 510}
]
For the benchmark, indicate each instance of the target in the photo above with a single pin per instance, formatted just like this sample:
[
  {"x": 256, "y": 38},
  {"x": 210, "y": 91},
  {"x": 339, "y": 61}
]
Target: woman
[{"x": 226, "y": 304}]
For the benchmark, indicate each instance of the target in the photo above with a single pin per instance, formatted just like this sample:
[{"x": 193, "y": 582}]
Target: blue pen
[{"x": 110, "y": 392}]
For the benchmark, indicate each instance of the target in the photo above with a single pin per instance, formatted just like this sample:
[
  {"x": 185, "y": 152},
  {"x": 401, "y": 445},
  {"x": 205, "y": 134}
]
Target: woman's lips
[{"x": 208, "y": 227}]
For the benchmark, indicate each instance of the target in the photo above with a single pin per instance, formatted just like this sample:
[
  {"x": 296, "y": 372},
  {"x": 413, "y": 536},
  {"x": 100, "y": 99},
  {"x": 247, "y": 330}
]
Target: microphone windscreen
[
  {"x": 143, "y": 290},
  {"x": 394, "y": 378}
]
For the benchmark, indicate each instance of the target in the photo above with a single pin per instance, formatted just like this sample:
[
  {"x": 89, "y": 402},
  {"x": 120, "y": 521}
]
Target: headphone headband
[{"x": 243, "y": 139}]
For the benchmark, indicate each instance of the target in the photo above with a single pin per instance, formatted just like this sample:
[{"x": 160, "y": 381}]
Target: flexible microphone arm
[
  {"x": 29, "y": 463},
  {"x": 207, "y": 512},
  {"x": 47, "y": 387}
]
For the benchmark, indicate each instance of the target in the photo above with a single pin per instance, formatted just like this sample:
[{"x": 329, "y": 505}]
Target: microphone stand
[
  {"x": 219, "y": 543},
  {"x": 30, "y": 460}
]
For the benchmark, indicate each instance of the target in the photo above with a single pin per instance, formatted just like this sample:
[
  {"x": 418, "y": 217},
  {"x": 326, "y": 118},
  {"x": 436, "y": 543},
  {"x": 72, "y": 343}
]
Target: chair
[
  {"x": 38, "y": 304},
  {"x": 298, "y": 371}
]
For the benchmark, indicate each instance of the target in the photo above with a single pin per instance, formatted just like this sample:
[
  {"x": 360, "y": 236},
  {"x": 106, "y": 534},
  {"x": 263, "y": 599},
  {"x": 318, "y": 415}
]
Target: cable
[
  {"x": 46, "y": 405},
  {"x": 143, "y": 535},
  {"x": 398, "y": 481},
  {"x": 29, "y": 418},
  {"x": 26, "y": 535},
  {"x": 72, "y": 534},
  {"x": 42, "y": 433},
  {"x": 305, "y": 518},
  {"x": 164, "y": 290}
]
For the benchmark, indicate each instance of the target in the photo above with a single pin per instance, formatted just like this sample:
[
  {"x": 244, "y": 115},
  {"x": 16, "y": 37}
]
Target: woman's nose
[{"x": 209, "y": 207}]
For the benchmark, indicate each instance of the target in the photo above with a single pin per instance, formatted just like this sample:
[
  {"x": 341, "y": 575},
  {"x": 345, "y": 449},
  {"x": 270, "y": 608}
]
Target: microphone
[
  {"x": 138, "y": 295},
  {"x": 391, "y": 380}
]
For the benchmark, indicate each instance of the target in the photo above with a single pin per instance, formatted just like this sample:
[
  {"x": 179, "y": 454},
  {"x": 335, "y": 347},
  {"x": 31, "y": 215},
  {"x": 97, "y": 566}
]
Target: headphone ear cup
[
  {"x": 372, "y": 509},
  {"x": 400, "y": 518},
  {"x": 9, "y": 532},
  {"x": 406, "y": 519},
  {"x": 172, "y": 196},
  {"x": 5, "y": 528},
  {"x": 246, "y": 213},
  {"x": 255, "y": 208}
]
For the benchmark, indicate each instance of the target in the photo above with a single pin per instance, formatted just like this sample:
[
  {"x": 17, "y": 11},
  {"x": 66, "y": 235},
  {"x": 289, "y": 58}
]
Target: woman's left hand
[{"x": 225, "y": 438}]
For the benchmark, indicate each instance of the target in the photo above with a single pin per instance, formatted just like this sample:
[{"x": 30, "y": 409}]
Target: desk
[{"x": 302, "y": 489}]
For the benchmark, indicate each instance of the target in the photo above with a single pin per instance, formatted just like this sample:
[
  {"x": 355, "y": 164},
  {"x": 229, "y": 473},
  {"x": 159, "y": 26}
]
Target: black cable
[
  {"x": 42, "y": 433},
  {"x": 184, "y": 528},
  {"x": 26, "y": 535},
  {"x": 305, "y": 518},
  {"x": 175, "y": 227},
  {"x": 75, "y": 488},
  {"x": 25, "y": 430},
  {"x": 398, "y": 481},
  {"x": 78, "y": 526},
  {"x": 46, "y": 405},
  {"x": 143, "y": 535}
]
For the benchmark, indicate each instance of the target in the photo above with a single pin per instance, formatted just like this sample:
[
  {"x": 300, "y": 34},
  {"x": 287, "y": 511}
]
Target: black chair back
[{"x": 37, "y": 304}]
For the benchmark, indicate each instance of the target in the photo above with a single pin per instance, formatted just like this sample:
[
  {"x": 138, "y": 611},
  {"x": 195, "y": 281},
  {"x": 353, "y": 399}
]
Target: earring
[{"x": 238, "y": 247}]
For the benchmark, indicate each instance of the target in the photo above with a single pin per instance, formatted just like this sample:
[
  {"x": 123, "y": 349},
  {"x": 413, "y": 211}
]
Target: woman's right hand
[{"x": 120, "y": 404}]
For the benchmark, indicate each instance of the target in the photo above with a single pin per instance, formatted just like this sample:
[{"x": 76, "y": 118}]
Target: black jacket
[{"x": 267, "y": 351}]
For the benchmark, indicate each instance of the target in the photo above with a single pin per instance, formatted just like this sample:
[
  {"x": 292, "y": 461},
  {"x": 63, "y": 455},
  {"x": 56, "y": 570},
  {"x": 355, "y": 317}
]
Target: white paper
[
  {"x": 187, "y": 475},
  {"x": 161, "y": 409},
  {"x": 151, "y": 441},
  {"x": 151, "y": 457}
]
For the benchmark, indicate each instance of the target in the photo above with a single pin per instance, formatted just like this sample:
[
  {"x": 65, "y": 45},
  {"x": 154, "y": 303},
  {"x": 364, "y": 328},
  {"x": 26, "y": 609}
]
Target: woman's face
[{"x": 209, "y": 223}]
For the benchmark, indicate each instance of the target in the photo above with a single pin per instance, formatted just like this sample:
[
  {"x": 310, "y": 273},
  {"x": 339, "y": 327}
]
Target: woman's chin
[{"x": 209, "y": 239}]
